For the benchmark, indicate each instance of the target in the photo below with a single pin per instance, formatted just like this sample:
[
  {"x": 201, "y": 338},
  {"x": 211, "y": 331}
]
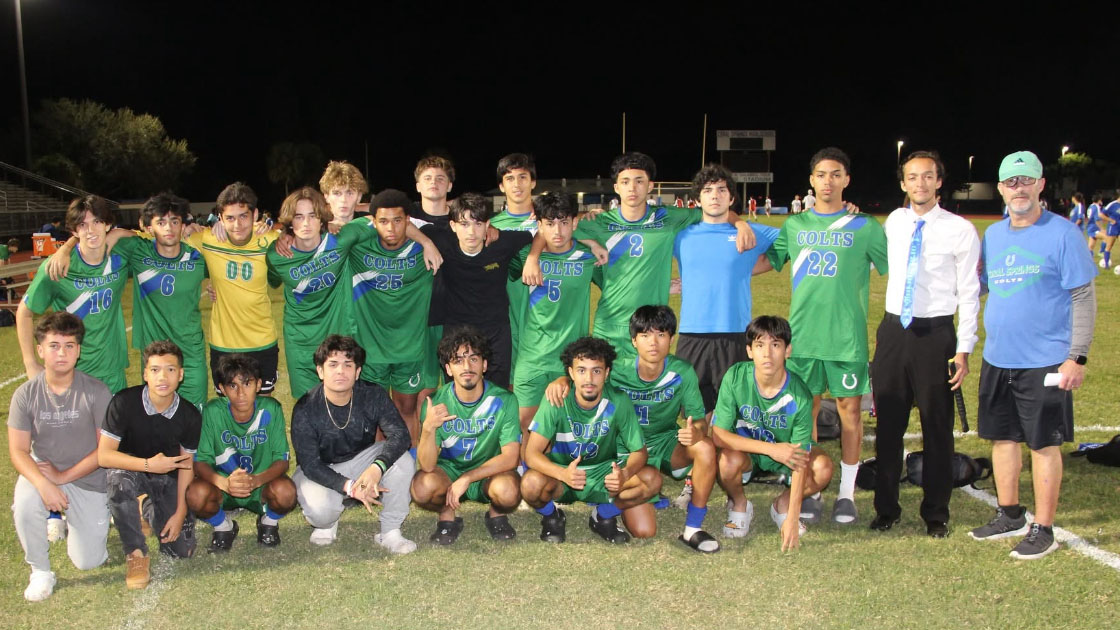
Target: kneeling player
[
  {"x": 763, "y": 419},
  {"x": 242, "y": 457},
  {"x": 469, "y": 442},
  {"x": 595, "y": 423}
]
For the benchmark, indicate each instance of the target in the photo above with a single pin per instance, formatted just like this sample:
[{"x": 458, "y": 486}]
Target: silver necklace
[
  {"x": 68, "y": 394},
  {"x": 348, "y": 413}
]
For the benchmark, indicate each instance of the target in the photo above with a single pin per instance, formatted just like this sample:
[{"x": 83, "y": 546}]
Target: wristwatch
[{"x": 1080, "y": 359}]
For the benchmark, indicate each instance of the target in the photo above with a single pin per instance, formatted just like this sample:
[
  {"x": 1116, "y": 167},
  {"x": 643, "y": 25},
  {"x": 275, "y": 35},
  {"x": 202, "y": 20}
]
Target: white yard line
[{"x": 162, "y": 570}]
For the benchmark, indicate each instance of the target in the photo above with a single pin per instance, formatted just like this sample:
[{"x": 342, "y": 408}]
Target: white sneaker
[
  {"x": 394, "y": 542},
  {"x": 56, "y": 530},
  {"x": 738, "y": 524},
  {"x": 780, "y": 519},
  {"x": 41, "y": 585},
  {"x": 324, "y": 536}
]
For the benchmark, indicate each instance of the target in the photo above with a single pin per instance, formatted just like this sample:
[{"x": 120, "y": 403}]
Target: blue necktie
[{"x": 911, "y": 275}]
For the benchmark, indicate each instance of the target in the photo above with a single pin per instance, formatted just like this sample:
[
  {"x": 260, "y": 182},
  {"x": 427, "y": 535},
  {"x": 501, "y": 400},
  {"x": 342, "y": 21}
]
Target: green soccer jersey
[
  {"x": 517, "y": 291},
  {"x": 390, "y": 292},
  {"x": 5, "y": 253},
  {"x": 787, "y": 418},
  {"x": 640, "y": 264},
  {"x": 558, "y": 311},
  {"x": 660, "y": 402},
  {"x": 830, "y": 271},
  {"x": 478, "y": 431},
  {"x": 165, "y": 294},
  {"x": 313, "y": 305},
  {"x": 93, "y": 293},
  {"x": 227, "y": 445},
  {"x": 598, "y": 434}
]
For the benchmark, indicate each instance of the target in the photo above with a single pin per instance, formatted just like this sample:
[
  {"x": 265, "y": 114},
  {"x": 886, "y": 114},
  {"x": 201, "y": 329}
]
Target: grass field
[{"x": 843, "y": 577}]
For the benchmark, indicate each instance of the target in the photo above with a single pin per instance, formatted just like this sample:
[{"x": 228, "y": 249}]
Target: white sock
[
  {"x": 689, "y": 531},
  {"x": 227, "y": 525},
  {"x": 847, "y": 481},
  {"x": 268, "y": 521},
  {"x": 816, "y": 497},
  {"x": 779, "y": 519}
]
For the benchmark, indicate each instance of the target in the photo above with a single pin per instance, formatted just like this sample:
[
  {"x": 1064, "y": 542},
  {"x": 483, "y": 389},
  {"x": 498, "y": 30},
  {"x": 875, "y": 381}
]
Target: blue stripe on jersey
[
  {"x": 617, "y": 246},
  {"x": 150, "y": 280},
  {"x": 536, "y": 295},
  {"x": 83, "y": 305}
]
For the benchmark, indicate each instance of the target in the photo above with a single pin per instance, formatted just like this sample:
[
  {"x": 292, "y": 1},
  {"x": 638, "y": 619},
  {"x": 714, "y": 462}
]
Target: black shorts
[
  {"x": 711, "y": 355},
  {"x": 1016, "y": 406},
  {"x": 268, "y": 359}
]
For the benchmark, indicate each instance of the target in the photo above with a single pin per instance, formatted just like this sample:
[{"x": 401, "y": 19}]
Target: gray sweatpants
[
  {"x": 87, "y": 518},
  {"x": 322, "y": 506}
]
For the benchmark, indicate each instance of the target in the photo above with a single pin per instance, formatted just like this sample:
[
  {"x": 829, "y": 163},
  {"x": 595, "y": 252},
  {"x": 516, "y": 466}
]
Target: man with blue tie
[{"x": 932, "y": 254}]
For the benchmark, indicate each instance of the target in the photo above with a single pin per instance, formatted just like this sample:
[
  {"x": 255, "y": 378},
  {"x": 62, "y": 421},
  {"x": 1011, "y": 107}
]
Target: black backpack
[
  {"x": 1105, "y": 454},
  {"x": 828, "y": 421},
  {"x": 966, "y": 470}
]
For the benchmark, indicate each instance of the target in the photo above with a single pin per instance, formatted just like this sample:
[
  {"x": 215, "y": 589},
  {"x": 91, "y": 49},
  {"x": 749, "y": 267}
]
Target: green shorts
[
  {"x": 475, "y": 491},
  {"x": 661, "y": 449},
  {"x": 844, "y": 379},
  {"x": 302, "y": 375},
  {"x": 529, "y": 385},
  {"x": 431, "y": 375},
  {"x": 253, "y": 502},
  {"x": 405, "y": 378},
  {"x": 595, "y": 491},
  {"x": 618, "y": 336}
]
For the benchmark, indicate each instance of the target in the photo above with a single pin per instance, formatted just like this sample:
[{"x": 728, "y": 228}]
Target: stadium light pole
[
  {"x": 970, "y": 176},
  {"x": 898, "y": 153},
  {"x": 23, "y": 89}
]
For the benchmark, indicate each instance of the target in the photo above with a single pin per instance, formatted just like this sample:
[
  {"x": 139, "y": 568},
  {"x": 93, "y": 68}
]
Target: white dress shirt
[{"x": 947, "y": 279}]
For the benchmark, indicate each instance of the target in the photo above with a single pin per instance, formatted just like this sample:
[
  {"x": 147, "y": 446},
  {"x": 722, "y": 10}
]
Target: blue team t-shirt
[
  {"x": 715, "y": 277},
  {"x": 1029, "y": 272},
  {"x": 1112, "y": 211}
]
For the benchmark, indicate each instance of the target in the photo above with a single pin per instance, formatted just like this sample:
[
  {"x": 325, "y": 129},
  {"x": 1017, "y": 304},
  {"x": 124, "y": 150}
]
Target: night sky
[{"x": 475, "y": 83}]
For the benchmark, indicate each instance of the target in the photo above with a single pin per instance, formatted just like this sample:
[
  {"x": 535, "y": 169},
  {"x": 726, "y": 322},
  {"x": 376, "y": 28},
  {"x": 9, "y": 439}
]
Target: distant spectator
[{"x": 54, "y": 228}]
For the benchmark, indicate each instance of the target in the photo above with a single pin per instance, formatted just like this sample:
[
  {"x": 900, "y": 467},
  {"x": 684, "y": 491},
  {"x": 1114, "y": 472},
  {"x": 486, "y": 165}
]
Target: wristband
[
  {"x": 382, "y": 466},
  {"x": 347, "y": 487}
]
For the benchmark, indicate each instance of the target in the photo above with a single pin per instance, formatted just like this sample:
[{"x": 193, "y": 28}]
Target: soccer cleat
[
  {"x": 323, "y": 536},
  {"x": 780, "y": 519},
  {"x": 137, "y": 574},
  {"x": 685, "y": 497},
  {"x": 499, "y": 527},
  {"x": 811, "y": 508},
  {"x": 554, "y": 526},
  {"x": 701, "y": 541},
  {"x": 1002, "y": 526},
  {"x": 56, "y": 531},
  {"x": 447, "y": 532},
  {"x": 1037, "y": 544},
  {"x": 394, "y": 542},
  {"x": 607, "y": 528},
  {"x": 40, "y": 586},
  {"x": 844, "y": 511},
  {"x": 221, "y": 542},
  {"x": 738, "y": 527},
  {"x": 267, "y": 535}
]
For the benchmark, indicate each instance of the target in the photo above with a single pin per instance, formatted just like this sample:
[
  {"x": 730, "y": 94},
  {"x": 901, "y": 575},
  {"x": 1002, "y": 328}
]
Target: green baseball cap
[{"x": 1020, "y": 163}]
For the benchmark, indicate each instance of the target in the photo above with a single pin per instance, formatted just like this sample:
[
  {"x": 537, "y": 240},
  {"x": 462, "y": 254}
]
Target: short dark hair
[
  {"x": 346, "y": 346},
  {"x": 468, "y": 336},
  {"x": 712, "y": 174},
  {"x": 653, "y": 317},
  {"x": 389, "y": 198},
  {"x": 237, "y": 193},
  {"x": 159, "y": 348},
  {"x": 1098, "y": 198},
  {"x": 99, "y": 206},
  {"x": 923, "y": 155},
  {"x": 60, "y": 323},
  {"x": 830, "y": 153},
  {"x": 163, "y": 204},
  {"x": 471, "y": 205},
  {"x": 13, "y": 242},
  {"x": 1078, "y": 197},
  {"x": 634, "y": 160},
  {"x": 555, "y": 206},
  {"x": 769, "y": 326},
  {"x": 232, "y": 366},
  {"x": 589, "y": 348},
  {"x": 515, "y": 161}
]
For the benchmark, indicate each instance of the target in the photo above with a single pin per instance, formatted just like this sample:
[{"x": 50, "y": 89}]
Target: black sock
[{"x": 1012, "y": 511}]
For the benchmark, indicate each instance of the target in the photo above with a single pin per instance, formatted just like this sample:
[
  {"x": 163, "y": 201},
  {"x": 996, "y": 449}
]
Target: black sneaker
[
  {"x": 499, "y": 527},
  {"x": 267, "y": 535},
  {"x": 447, "y": 532},
  {"x": 607, "y": 528},
  {"x": 554, "y": 526},
  {"x": 1002, "y": 526},
  {"x": 223, "y": 541},
  {"x": 1037, "y": 544}
]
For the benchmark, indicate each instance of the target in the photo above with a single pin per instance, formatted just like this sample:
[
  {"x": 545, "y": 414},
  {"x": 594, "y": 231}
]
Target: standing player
[
  {"x": 242, "y": 457},
  {"x": 752, "y": 209},
  {"x": 342, "y": 185},
  {"x": 1077, "y": 211},
  {"x": 435, "y": 176},
  {"x": 1093, "y": 225},
  {"x": 830, "y": 252},
  {"x": 1110, "y": 220},
  {"x": 1033, "y": 263},
  {"x": 574, "y": 450},
  {"x": 470, "y": 444},
  {"x": 146, "y": 447},
  {"x": 810, "y": 201},
  {"x": 91, "y": 289},
  {"x": 53, "y": 422},
  {"x": 517, "y": 177},
  {"x": 795, "y": 205},
  {"x": 763, "y": 421},
  {"x": 766, "y": 207}
]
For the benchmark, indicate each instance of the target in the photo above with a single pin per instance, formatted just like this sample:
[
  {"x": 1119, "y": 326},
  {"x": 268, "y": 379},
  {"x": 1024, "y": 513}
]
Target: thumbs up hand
[{"x": 574, "y": 477}]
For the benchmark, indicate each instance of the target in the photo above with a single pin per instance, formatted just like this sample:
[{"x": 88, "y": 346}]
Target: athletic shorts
[
  {"x": 432, "y": 375},
  {"x": 842, "y": 378},
  {"x": 618, "y": 336},
  {"x": 529, "y": 385},
  {"x": 253, "y": 502},
  {"x": 660, "y": 448},
  {"x": 1093, "y": 230},
  {"x": 268, "y": 359},
  {"x": 595, "y": 490},
  {"x": 406, "y": 378},
  {"x": 476, "y": 491},
  {"x": 1016, "y": 406},
  {"x": 1113, "y": 229},
  {"x": 711, "y": 354}
]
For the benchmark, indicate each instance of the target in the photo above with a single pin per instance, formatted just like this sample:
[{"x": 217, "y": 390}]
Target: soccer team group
[{"x": 439, "y": 353}]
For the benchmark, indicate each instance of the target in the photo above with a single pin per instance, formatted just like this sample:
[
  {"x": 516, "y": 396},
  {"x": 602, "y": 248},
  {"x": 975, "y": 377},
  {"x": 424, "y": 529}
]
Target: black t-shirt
[
  {"x": 416, "y": 211},
  {"x": 474, "y": 287},
  {"x": 142, "y": 435}
]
